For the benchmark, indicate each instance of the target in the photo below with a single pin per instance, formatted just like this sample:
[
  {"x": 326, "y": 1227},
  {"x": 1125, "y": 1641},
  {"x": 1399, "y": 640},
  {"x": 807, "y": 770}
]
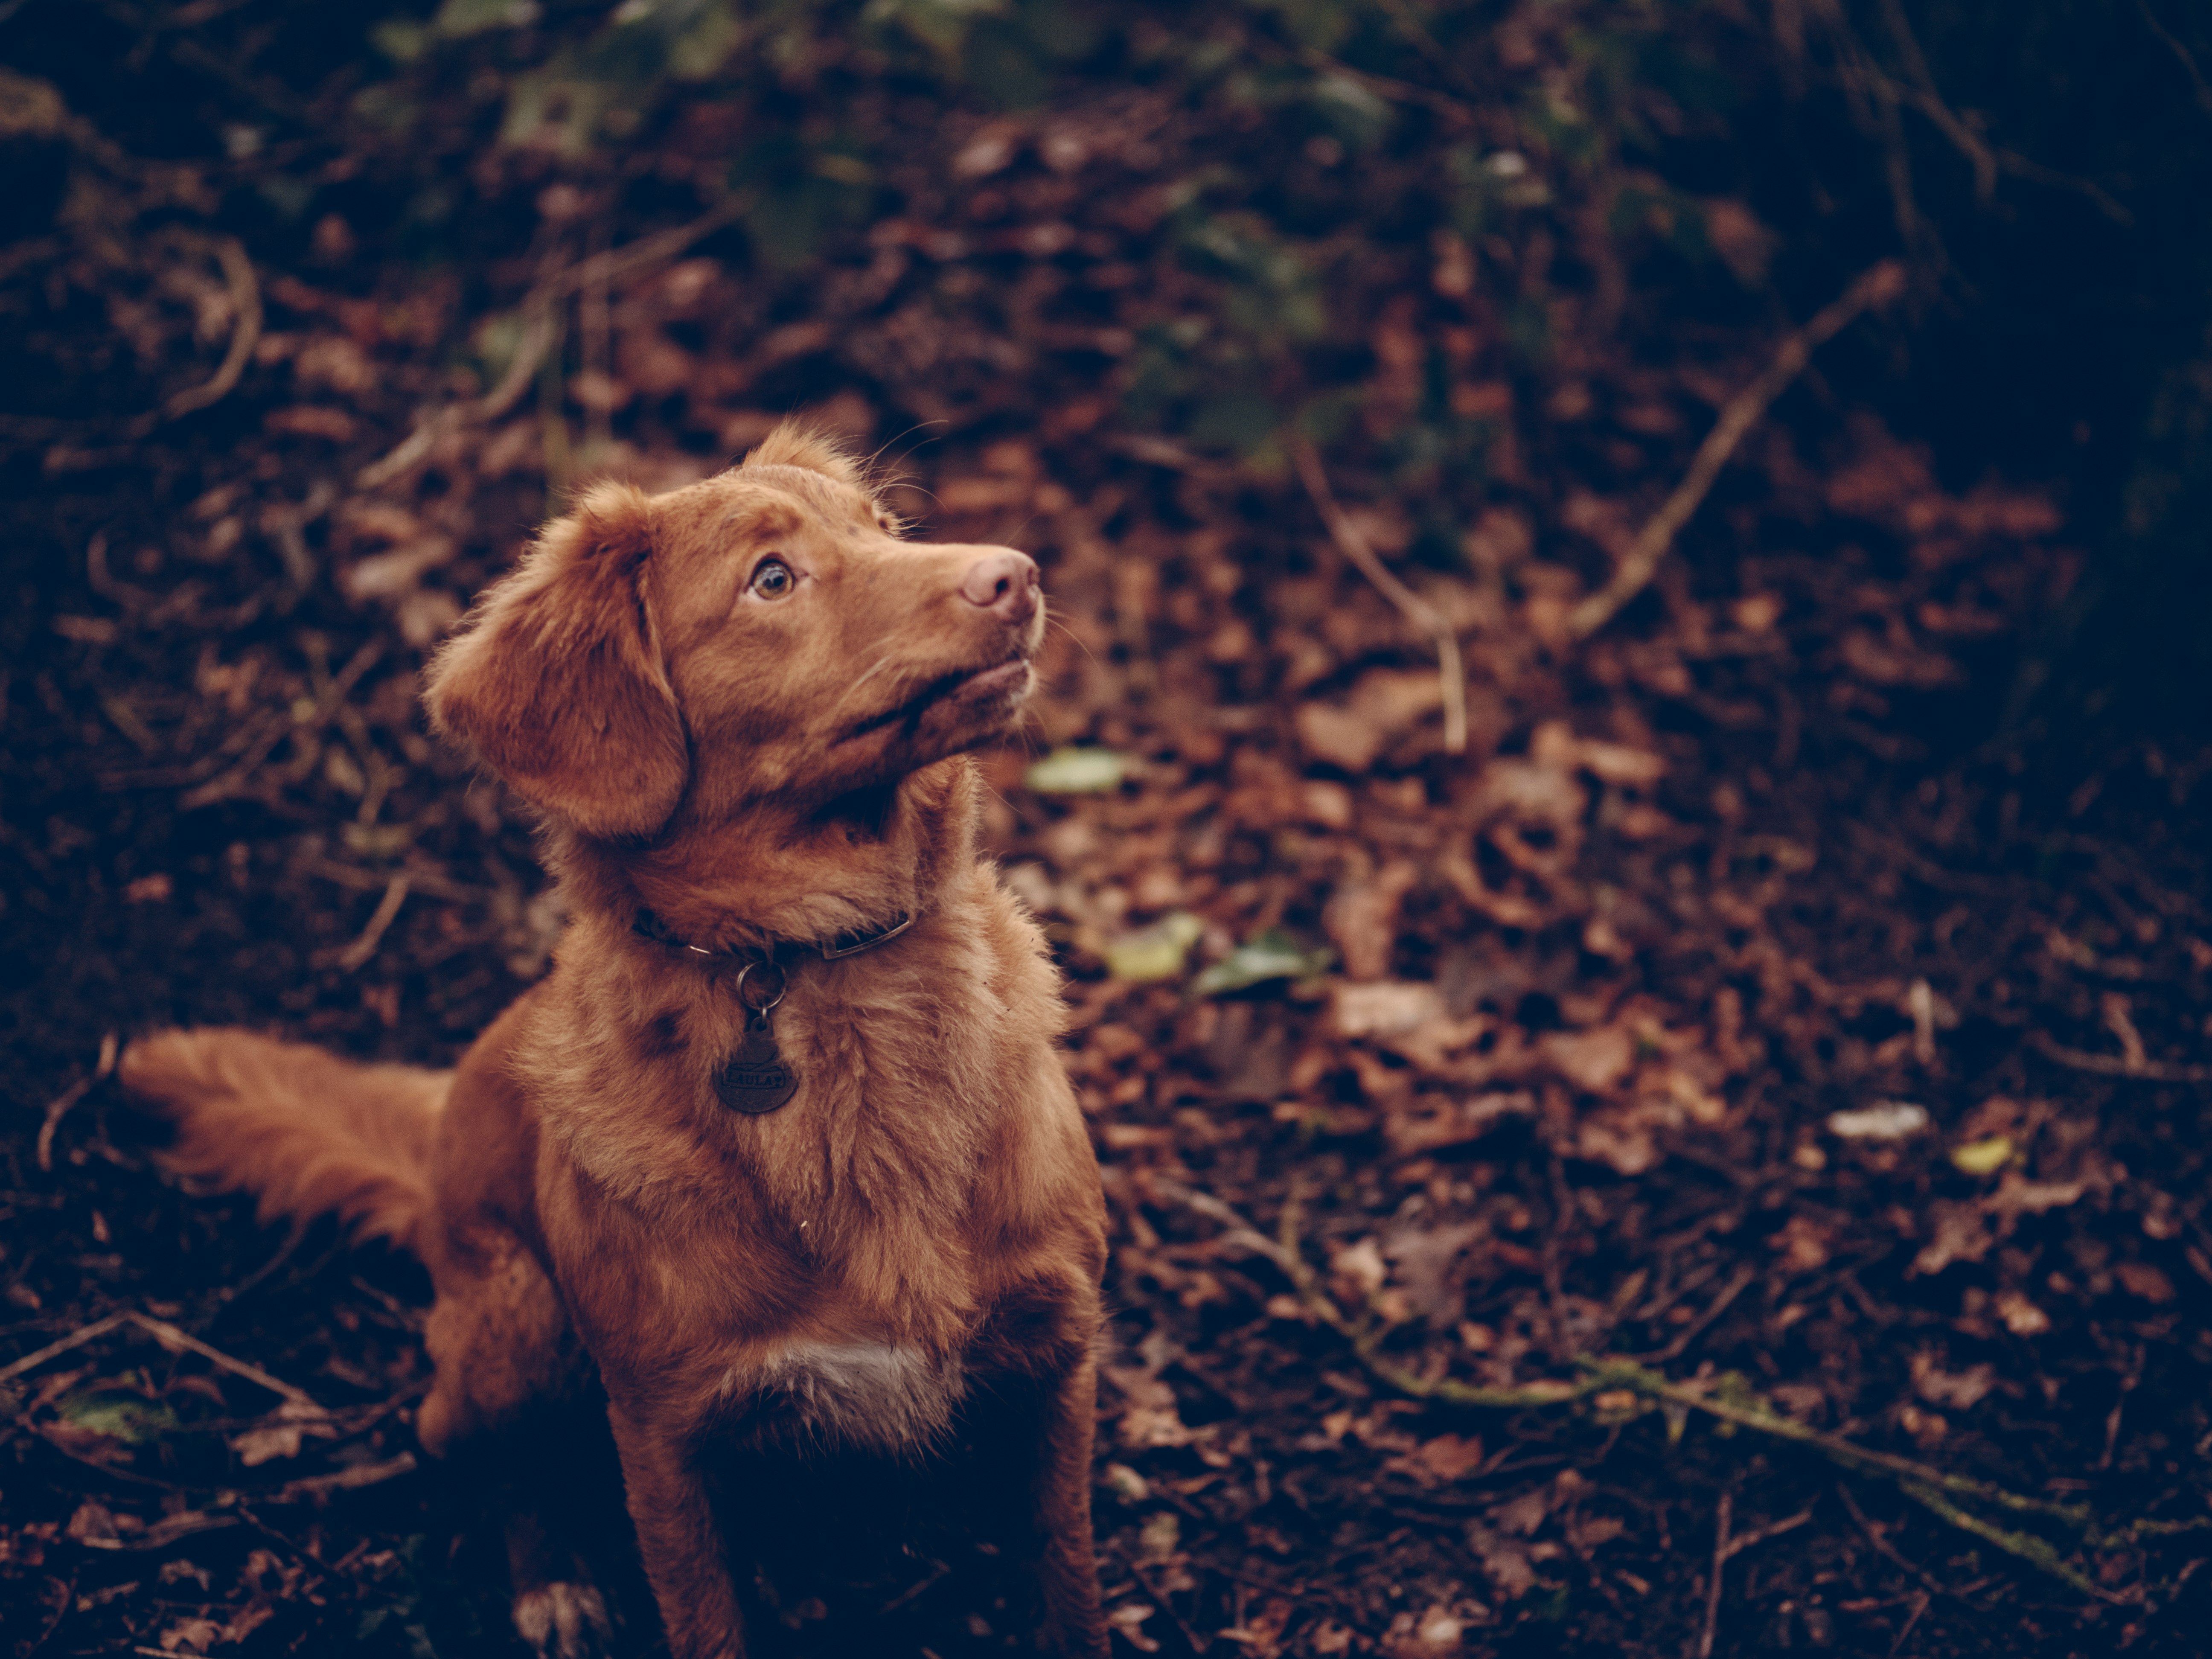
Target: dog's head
[{"x": 760, "y": 636}]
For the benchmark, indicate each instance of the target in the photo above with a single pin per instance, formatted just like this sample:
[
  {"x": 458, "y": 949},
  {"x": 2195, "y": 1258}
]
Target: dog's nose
[{"x": 1004, "y": 581}]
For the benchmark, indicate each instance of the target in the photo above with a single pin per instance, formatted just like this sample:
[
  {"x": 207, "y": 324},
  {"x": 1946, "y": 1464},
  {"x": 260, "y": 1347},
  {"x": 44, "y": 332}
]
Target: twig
[
  {"x": 245, "y": 334},
  {"x": 1728, "y": 1292},
  {"x": 1744, "y": 1541},
  {"x": 1726, "y": 1398},
  {"x": 68, "y": 1097},
  {"x": 1920, "y": 1601},
  {"x": 1875, "y": 288},
  {"x": 541, "y": 328},
  {"x": 33, "y": 1360},
  {"x": 232, "y": 781},
  {"x": 357, "y": 954},
  {"x": 2026, "y": 1545},
  {"x": 322, "y": 1486},
  {"x": 1931, "y": 104},
  {"x": 1450, "y": 673},
  {"x": 2196, "y": 81},
  {"x": 176, "y": 1340},
  {"x": 2148, "y": 1071},
  {"x": 1882, "y": 1545},
  {"x": 1721, "y": 1553}
]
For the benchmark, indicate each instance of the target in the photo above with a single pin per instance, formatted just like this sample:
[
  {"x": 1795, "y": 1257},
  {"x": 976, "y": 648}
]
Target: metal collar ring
[{"x": 782, "y": 984}]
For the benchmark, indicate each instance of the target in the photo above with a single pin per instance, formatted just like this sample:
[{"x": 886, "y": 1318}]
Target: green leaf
[
  {"x": 1079, "y": 772},
  {"x": 1271, "y": 955},
  {"x": 1984, "y": 1157},
  {"x": 124, "y": 1417},
  {"x": 1154, "y": 952}
]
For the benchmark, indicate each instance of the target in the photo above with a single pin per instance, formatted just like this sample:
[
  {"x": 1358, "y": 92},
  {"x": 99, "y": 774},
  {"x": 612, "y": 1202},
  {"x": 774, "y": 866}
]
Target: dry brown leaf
[
  {"x": 1592, "y": 1061},
  {"x": 2016, "y": 1195},
  {"x": 92, "y": 1524},
  {"x": 1361, "y": 918},
  {"x": 1428, "y": 1122},
  {"x": 1385, "y": 1009},
  {"x": 1426, "y": 1259},
  {"x": 1384, "y": 705},
  {"x": 191, "y": 1636},
  {"x": 1957, "y": 1389},
  {"x": 1505, "y": 1562},
  {"x": 1448, "y": 1457},
  {"x": 1804, "y": 1241},
  {"x": 1618, "y": 1141},
  {"x": 2144, "y": 1280},
  {"x": 1961, "y": 1234}
]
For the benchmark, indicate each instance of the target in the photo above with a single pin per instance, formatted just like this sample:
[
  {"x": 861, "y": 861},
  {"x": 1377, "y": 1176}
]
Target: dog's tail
[{"x": 307, "y": 1133}]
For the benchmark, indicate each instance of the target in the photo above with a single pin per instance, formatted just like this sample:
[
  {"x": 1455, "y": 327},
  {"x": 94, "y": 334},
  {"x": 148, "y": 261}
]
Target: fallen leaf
[
  {"x": 1361, "y": 919},
  {"x": 281, "y": 1434},
  {"x": 1078, "y": 772},
  {"x": 1962, "y": 1234},
  {"x": 92, "y": 1525},
  {"x": 2016, "y": 1196},
  {"x": 1361, "y": 1266},
  {"x": 1125, "y": 1618},
  {"x": 1804, "y": 1241},
  {"x": 1984, "y": 1157},
  {"x": 1426, "y": 1258},
  {"x": 1447, "y": 1457},
  {"x": 1157, "y": 952},
  {"x": 1424, "y": 1123},
  {"x": 1592, "y": 1061},
  {"x": 1385, "y": 704},
  {"x": 1161, "y": 1536},
  {"x": 1622, "y": 1144},
  {"x": 1505, "y": 1562},
  {"x": 1957, "y": 1389},
  {"x": 1525, "y": 1513},
  {"x": 1386, "y": 1009},
  {"x": 1272, "y": 955},
  {"x": 1886, "y": 1119},
  {"x": 124, "y": 1418},
  {"x": 2144, "y": 1280},
  {"x": 191, "y": 1636}
]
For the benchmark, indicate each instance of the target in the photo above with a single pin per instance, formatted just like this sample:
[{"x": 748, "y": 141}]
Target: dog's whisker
[
  {"x": 917, "y": 426},
  {"x": 876, "y": 667},
  {"x": 1051, "y": 621}
]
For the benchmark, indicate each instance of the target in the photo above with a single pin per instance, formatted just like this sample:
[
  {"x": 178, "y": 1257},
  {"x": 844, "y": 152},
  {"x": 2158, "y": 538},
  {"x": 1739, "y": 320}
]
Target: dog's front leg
[
  {"x": 685, "y": 1555},
  {"x": 1067, "y": 1566}
]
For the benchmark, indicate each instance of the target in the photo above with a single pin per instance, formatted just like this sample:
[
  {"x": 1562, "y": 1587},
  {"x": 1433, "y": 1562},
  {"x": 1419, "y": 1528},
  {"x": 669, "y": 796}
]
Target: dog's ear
[
  {"x": 796, "y": 443},
  {"x": 555, "y": 680}
]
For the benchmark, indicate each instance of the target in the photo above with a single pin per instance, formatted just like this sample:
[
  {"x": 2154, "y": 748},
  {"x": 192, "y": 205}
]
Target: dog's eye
[{"x": 773, "y": 579}]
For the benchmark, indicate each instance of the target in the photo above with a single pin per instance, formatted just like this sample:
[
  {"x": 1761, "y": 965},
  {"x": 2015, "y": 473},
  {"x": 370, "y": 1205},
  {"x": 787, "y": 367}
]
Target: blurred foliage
[{"x": 1577, "y": 173}]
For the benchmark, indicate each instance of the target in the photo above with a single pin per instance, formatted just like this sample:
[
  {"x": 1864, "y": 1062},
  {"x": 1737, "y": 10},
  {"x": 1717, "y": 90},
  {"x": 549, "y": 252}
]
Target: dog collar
[{"x": 648, "y": 925}]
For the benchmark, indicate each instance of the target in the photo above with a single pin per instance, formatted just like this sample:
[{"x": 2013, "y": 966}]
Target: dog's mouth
[{"x": 976, "y": 687}]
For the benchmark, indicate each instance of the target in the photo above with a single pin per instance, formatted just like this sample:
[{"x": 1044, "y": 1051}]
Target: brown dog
[{"x": 782, "y": 1146}]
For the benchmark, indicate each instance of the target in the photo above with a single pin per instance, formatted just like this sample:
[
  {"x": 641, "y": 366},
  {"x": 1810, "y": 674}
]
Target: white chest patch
[{"x": 879, "y": 1396}]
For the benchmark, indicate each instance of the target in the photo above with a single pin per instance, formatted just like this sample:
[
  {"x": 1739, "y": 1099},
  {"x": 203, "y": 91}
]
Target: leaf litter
[{"x": 1518, "y": 1158}]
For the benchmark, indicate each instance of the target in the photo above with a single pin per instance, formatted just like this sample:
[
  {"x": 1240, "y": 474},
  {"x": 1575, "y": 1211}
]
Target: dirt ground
[{"x": 1718, "y": 1165}]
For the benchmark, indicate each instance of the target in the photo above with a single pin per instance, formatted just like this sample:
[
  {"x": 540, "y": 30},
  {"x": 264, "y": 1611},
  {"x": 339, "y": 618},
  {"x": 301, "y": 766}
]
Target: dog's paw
[{"x": 564, "y": 1622}]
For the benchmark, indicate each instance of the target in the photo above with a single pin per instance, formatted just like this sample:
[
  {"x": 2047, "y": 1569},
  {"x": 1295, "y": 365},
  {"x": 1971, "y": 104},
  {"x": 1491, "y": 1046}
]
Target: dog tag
[{"x": 755, "y": 1079}]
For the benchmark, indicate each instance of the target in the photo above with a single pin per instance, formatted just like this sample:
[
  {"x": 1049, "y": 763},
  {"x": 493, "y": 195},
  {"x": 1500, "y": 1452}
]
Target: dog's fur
[{"x": 921, "y": 1224}]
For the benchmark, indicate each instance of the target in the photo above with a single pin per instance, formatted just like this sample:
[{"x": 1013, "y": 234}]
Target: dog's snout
[{"x": 1004, "y": 582}]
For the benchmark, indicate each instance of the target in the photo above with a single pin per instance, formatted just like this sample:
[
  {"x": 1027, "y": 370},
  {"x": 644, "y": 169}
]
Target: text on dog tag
[{"x": 755, "y": 1079}]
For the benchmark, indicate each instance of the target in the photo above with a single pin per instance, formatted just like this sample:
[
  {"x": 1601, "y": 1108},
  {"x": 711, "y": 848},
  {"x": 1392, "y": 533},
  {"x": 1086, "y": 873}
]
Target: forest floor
[{"x": 1718, "y": 1164}]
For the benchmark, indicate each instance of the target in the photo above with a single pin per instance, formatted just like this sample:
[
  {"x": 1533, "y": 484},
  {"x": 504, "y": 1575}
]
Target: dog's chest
[{"x": 858, "y": 1393}]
